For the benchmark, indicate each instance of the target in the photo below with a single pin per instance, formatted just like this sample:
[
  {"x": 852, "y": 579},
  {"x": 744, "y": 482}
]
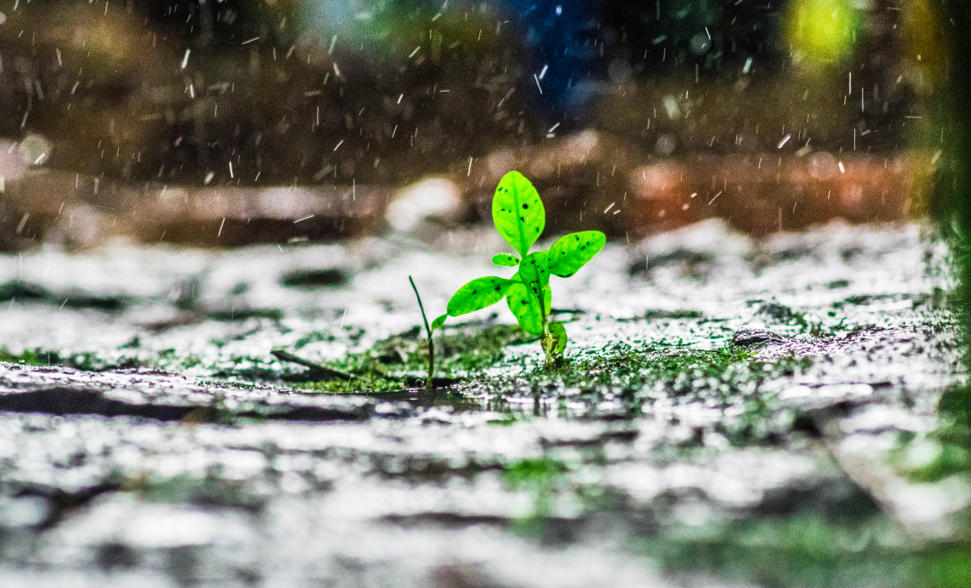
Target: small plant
[
  {"x": 519, "y": 216},
  {"x": 430, "y": 380}
]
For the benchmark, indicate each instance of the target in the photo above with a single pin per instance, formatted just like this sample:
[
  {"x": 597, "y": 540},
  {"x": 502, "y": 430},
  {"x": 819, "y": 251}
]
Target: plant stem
[
  {"x": 429, "y": 381},
  {"x": 546, "y": 343}
]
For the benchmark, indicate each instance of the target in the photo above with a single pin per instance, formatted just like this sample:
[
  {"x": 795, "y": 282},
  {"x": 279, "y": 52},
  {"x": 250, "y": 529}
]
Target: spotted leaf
[
  {"x": 535, "y": 267},
  {"x": 506, "y": 260},
  {"x": 571, "y": 252},
  {"x": 518, "y": 212},
  {"x": 478, "y": 294},
  {"x": 524, "y": 305}
]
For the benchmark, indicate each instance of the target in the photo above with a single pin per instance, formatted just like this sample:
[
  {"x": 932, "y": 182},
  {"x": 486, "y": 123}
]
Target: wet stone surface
[{"x": 723, "y": 401}]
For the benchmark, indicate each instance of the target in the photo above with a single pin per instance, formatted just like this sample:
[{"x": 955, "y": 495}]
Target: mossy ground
[
  {"x": 400, "y": 361},
  {"x": 622, "y": 377}
]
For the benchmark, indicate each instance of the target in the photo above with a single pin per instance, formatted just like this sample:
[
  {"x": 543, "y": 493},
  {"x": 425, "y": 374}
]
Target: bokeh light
[{"x": 822, "y": 30}]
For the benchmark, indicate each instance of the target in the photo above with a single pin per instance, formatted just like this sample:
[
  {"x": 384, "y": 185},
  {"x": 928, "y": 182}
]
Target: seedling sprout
[{"x": 520, "y": 218}]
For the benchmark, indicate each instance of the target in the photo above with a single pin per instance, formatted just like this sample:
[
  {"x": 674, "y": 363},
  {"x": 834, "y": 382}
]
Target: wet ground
[{"x": 730, "y": 412}]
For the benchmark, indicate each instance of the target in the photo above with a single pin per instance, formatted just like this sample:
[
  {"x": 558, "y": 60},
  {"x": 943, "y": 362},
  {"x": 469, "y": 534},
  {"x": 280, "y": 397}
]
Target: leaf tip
[{"x": 438, "y": 322}]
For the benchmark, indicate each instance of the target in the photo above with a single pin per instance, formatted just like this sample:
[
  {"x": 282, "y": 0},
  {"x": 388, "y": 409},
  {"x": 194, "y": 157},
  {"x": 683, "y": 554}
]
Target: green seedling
[
  {"x": 519, "y": 216},
  {"x": 430, "y": 380}
]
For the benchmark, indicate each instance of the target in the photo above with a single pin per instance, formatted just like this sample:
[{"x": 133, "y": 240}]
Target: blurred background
[{"x": 227, "y": 122}]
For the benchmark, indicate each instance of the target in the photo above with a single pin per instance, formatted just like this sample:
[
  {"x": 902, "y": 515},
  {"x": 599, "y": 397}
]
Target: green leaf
[
  {"x": 518, "y": 212},
  {"x": 437, "y": 323},
  {"x": 535, "y": 267},
  {"x": 478, "y": 294},
  {"x": 559, "y": 331},
  {"x": 524, "y": 305},
  {"x": 523, "y": 300},
  {"x": 506, "y": 260},
  {"x": 571, "y": 252}
]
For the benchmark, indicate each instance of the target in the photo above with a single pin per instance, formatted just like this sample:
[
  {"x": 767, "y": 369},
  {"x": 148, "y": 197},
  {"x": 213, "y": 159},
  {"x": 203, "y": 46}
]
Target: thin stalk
[
  {"x": 320, "y": 372},
  {"x": 429, "y": 381}
]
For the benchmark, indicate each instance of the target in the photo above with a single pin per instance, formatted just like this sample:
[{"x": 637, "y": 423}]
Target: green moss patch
[{"x": 400, "y": 361}]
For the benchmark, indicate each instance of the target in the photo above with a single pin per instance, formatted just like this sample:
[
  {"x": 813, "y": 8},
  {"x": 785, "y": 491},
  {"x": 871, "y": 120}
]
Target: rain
[{"x": 223, "y": 221}]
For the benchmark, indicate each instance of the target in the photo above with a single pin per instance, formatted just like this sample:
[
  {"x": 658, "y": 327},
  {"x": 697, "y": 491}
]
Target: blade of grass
[{"x": 430, "y": 380}]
